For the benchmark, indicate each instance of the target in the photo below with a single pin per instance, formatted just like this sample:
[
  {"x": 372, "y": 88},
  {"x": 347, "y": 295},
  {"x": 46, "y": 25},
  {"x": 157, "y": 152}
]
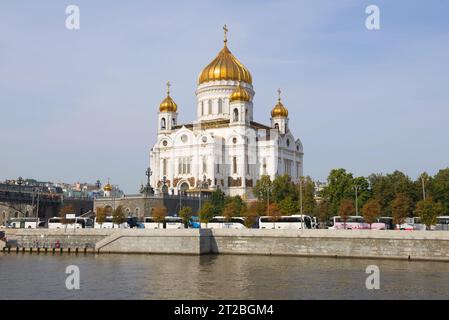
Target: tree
[
  {"x": 218, "y": 199},
  {"x": 429, "y": 210},
  {"x": 230, "y": 210},
  {"x": 282, "y": 187},
  {"x": 439, "y": 188},
  {"x": 400, "y": 208},
  {"x": 308, "y": 194},
  {"x": 345, "y": 210},
  {"x": 339, "y": 186},
  {"x": 100, "y": 217},
  {"x": 262, "y": 188},
  {"x": 253, "y": 211},
  {"x": 274, "y": 213},
  {"x": 66, "y": 209},
  {"x": 288, "y": 207},
  {"x": 206, "y": 213},
  {"x": 185, "y": 213},
  {"x": 118, "y": 216},
  {"x": 159, "y": 213},
  {"x": 371, "y": 211},
  {"x": 322, "y": 211}
]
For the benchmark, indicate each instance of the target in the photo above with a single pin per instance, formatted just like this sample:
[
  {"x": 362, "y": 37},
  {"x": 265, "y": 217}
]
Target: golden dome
[
  {"x": 279, "y": 110},
  {"x": 225, "y": 67},
  {"x": 168, "y": 105},
  {"x": 240, "y": 94},
  {"x": 107, "y": 187}
]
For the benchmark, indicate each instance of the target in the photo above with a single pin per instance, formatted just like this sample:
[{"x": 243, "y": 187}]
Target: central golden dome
[{"x": 225, "y": 67}]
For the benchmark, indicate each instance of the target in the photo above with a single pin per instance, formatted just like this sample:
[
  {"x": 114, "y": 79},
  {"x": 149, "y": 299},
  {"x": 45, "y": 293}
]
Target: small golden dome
[
  {"x": 107, "y": 187},
  {"x": 240, "y": 94},
  {"x": 168, "y": 105},
  {"x": 225, "y": 67},
  {"x": 279, "y": 110}
]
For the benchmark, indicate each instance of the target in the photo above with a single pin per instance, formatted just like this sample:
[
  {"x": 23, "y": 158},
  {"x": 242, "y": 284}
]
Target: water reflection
[{"x": 26, "y": 276}]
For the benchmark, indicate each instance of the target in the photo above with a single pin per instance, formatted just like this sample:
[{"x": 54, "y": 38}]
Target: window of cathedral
[
  {"x": 174, "y": 122},
  {"x": 209, "y": 111},
  {"x": 202, "y": 108},
  {"x": 276, "y": 126},
  {"x": 204, "y": 165},
  {"x": 234, "y": 140},
  {"x": 220, "y": 106},
  {"x": 288, "y": 142},
  {"x": 204, "y": 139},
  {"x": 164, "y": 167},
  {"x": 184, "y": 138},
  {"x": 236, "y": 115},
  {"x": 164, "y": 143},
  {"x": 163, "y": 125},
  {"x": 234, "y": 165}
]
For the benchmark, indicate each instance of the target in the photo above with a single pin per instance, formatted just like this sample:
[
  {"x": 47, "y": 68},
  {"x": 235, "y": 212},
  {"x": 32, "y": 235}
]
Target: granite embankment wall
[{"x": 416, "y": 245}]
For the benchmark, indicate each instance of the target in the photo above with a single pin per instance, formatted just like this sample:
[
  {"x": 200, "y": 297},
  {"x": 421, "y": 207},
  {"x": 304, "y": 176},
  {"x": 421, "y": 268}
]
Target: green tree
[
  {"x": 218, "y": 199},
  {"x": 439, "y": 188},
  {"x": 429, "y": 210},
  {"x": 206, "y": 213},
  {"x": 118, "y": 216},
  {"x": 288, "y": 207},
  {"x": 274, "y": 212},
  {"x": 385, "y": 188},
  {"x": 262, "y": 189},
  {"x": 339, "y": 186},
  {"x": 345, "y": 210},
  {"x": 282, "y": 188},
  {"x": 185, "y": 213},
  {"x": 400, "y": 208},
  {"x": 371, "y": 211},
  {"x": 308, "y": 194}
]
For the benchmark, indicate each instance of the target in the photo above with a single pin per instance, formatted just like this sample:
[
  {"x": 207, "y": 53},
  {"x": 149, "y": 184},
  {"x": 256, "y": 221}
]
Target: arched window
[
  {"x": 276, "y": 126},
  {"x": 163, "y": 125},
  {"x": 236, "y": 115},
  {"x": 209, "y": 111},
  {"x": 136, "y": 212},
  {"x": 202, "y": 108},
  {"x": 173, "y": 122},
  {"x": 220, "y": 106}
]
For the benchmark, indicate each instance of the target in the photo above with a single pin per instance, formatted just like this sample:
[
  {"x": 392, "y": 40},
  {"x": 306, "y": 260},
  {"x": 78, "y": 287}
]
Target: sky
[{"x": 81, "y": 105}]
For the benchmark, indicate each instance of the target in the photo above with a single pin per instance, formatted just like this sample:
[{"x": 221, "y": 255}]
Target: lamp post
[
  {"x": 423, "y": 187},
  {"x": 356, "y": 188},
  {"x": 202, "y": 185}
]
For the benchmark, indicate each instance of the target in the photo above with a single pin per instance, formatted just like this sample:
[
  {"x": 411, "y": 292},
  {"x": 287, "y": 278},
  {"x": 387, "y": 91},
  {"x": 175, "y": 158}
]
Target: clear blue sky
[{"x": 81, "y": 105}]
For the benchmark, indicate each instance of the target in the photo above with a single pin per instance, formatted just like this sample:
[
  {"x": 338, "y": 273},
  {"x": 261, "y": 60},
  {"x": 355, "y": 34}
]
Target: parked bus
[
  {"x": 150, "y": 223},
  {"x": 442, "y": 223},
  {"x": 25, "y": 223},
  {"x": 356, "y": 223},
  {"x": 220, "y": 222},
  {"x": 174, "y": 223},
  {"x": 286, "y": 222},
  {"x": 75, "y": 223},
  {"x": 416, "y": 223},
  {"x": 108, "y": 224}
]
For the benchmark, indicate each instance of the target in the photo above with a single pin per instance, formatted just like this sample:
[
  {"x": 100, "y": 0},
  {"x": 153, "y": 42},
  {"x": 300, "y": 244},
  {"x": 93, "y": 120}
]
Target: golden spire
[
  {"x": 279, "y": 110},
  {"x": 225, "y": 66},
  {"x": 168, "y": 105}
]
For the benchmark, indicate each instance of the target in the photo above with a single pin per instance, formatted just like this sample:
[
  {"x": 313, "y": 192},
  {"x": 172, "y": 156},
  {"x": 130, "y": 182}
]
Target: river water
[{"x": 110, "y": 276}]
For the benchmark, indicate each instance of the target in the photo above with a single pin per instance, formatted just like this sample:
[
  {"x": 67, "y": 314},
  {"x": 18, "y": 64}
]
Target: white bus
[
  {"x": 75, "y": 223},
  {"x": 25, "y": 223},
  {"x": 108, "y": 224},
  {"x": 356, "y": 223},
  {"x": 220, "y": 222},
  {"x": 170, "y": 222},
  {"x": 150, "y": 223},
  {"x": 174, "y": 223},
  {"x": 286, "y": 222},
  {"x": 416, "y": 223}
]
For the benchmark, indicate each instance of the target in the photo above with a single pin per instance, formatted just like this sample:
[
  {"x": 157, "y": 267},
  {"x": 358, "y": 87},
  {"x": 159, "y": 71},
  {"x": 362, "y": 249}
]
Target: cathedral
[{"x": 225, "y": 148}]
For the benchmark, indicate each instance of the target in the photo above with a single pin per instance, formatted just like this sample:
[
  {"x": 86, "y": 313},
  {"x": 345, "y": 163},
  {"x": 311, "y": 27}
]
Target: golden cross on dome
[
  {"x": 225, "y": 28},
  {"x": 279, "y": 94},
  {"x": 168, "y": 88}
]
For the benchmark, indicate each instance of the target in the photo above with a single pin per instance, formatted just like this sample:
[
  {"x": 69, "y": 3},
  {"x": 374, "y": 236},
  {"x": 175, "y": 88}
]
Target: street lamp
[
  {"x": 202, "y": 185},
  {"x": 356, "y": 188}
]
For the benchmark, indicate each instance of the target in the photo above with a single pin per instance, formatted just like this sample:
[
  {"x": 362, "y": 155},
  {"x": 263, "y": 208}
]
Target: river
[{"x": 114, "y": 276}]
